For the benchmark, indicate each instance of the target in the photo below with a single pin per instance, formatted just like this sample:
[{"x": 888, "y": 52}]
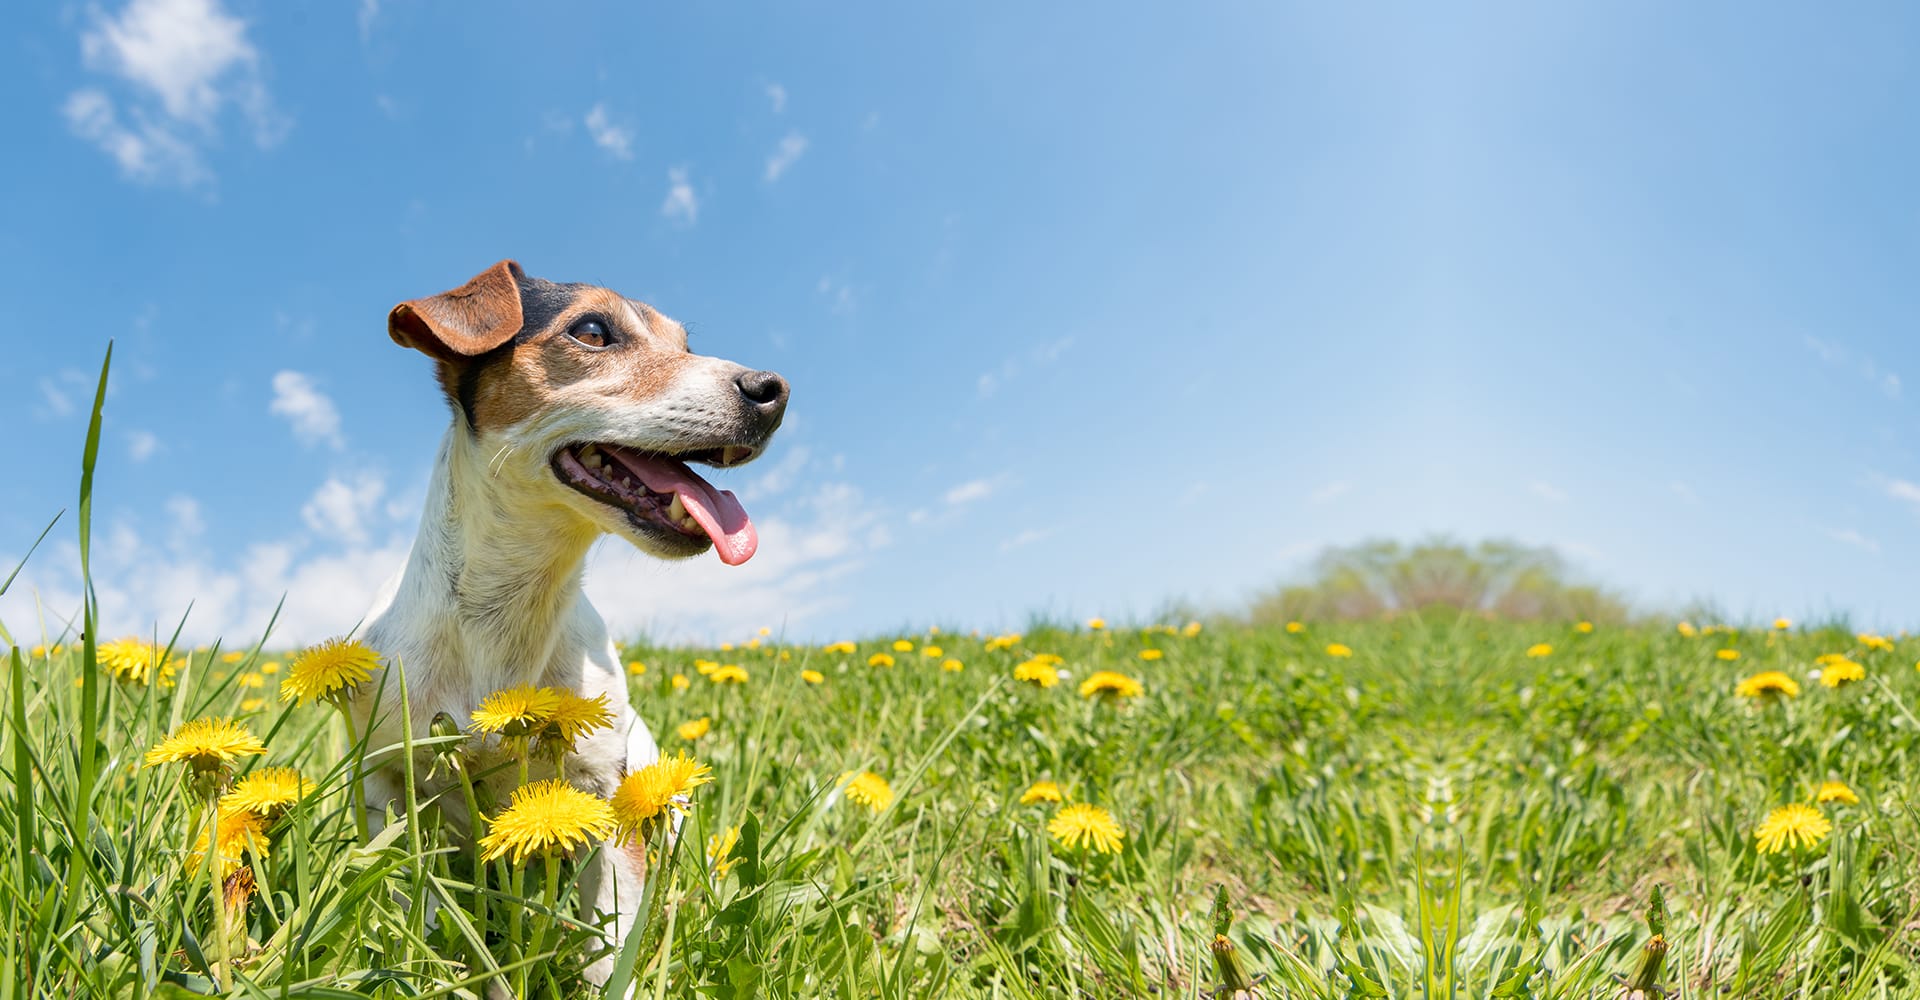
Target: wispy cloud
[
  {"x": 1835, "y": 356},
  {"x": 181, "y": 62},
  {"x": 1904, "y": 491},
  {"x": 968, "y": 492},
  {"x": 141, "y": 445},
  {"x": 1848, "y": 536},
  {"x": 615, "y": 139},
  {"x": 789, "y": 151},
  {"x": 314, "y": 418},
  {"x": 1026, "y": 538},
  {"x": 369, "y": 13},
  {"x": 838, "y": 293},
  {"x": 345, "y": 510},
  {"x": 1330, "y": 492},
  {"x": 777, "y": 96},
  {"x": 682, "y": 205},
  {"x": 1038, "y": 357}
]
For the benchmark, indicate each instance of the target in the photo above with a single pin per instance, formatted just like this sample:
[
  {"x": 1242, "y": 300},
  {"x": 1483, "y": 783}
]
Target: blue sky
[{"x": 1085, "y": 310}]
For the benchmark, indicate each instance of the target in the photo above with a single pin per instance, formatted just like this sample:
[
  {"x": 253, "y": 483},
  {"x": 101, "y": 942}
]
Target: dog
[{"x": 575, "y": 413}]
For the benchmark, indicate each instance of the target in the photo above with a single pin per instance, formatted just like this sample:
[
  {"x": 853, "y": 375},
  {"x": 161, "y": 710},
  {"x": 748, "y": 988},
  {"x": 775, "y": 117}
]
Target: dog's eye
[{"x": 590, "y": 332}]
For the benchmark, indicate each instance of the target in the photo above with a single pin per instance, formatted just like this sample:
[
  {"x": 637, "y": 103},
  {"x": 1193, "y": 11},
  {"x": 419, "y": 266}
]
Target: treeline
[{"x": 1496, "y": 579}]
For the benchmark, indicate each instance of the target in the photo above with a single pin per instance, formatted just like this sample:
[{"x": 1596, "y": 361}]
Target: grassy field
[
  {"x": 1453, "y": 809},
  {"x": 1428, "y": 806}
]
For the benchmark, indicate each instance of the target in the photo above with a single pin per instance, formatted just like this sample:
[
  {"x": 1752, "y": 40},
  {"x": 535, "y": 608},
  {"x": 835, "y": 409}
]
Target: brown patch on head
[{"x": 548, "y": 368}]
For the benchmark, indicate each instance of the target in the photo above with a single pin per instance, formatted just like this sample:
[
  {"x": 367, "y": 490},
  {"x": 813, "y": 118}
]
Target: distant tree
[{"x": 1496, "y": 578}]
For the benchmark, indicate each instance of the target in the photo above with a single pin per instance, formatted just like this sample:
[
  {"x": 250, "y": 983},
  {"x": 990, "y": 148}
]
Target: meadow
[
  {"x": 1417, "y": 807},
  {"x": 1428, "y": 805}
]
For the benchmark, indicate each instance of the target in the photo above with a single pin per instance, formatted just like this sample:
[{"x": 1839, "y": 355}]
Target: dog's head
[{"x": 579, "y": 390}]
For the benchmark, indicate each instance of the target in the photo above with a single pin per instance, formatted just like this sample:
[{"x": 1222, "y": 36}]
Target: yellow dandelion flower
[
  {"x": 547, "y": 817},
  {"x": 252, "y": 704},
  {"x": 1082, "y": 825},
  {"x": 1727, "y": 654},
  {"x": 1828, "y": 659},
  {"x": 1791, "y": 826},
  {"x": 1840, "y": 672},
  {"x": 1107, "y": 682},
  {"x": 1050, "y": 659},
  {"x": 659, "y": 787},
  {"x": 695, "y": 729},
  {"x": 1836, "y": 791},
  {"x": 1339, "y": 649},
  {"x": 516, "y": 712},
  {"x": 765, "y": 631},
  {"x": 731, "y": 673},
  {"x": 1782, "y": 624},
  {"x": 270, "y": 667},
  {"x": 753, "y": 643},
  {"x": 1539, "y": 649},
  {"x": 705, "y": 667},
  {"x": 879, "y": 660},
  {"x": 952, "y": 666},
  {"x": 1002, "y": 642},
  {"x": 902, "y": 646},
  {"x": 813, "y": 676},
  {"x": 680, "y": 682},
  {"x": 1038, "y": 673},
  {"x": 1295, "y": 628},
  {"x": 1042, "y": 791},
  {"x": 1151, "y": 654},
  {"x": 841, "y": 648},
  {"x": 1096, "y": 624},
  {"x": 1687, "y": 629},
  {"x": 137, "y": 662},
  {"x": 932, "y": 652},
  {"x": 1879, "y": 642},
  {"x": 1769, "y": 682},
  {"x": 636, "y": 669},
  {"x": 726, "y": 647},
  {"x": 267, "y": 792},
  {"x": 573, "y": 717},
  {"x": 253, "y": 680},
  {"x": 206, "y": 745},
  {"x": 868, "y": 789},
  {"x": 1191, "y": 629},
  {"x": 232, "y": 657},
  {"x": 240, "y": 832},
  {"x": 329, "y": 671},
  {"x": 1584, "y": 628},
  {"x": 720, "y": 851}
]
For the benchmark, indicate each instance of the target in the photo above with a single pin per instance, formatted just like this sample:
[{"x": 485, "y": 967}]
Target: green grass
[{"x": 1439, "y": 814}]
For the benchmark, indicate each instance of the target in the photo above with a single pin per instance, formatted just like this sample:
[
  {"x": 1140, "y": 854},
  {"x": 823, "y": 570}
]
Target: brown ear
[{"x": 470, "y": 320}]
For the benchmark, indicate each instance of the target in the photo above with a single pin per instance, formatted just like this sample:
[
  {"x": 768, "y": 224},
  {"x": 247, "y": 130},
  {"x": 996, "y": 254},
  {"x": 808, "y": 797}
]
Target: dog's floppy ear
[{"x": 470, "y": 320}]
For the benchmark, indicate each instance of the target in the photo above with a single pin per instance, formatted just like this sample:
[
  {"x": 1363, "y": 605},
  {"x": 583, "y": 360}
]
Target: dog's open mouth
[{"x": 658, "y": 492}]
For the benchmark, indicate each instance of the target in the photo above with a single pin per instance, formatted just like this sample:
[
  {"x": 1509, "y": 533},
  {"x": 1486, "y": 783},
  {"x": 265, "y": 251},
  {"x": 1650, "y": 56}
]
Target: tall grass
[{"x": 1439, "y": 814}]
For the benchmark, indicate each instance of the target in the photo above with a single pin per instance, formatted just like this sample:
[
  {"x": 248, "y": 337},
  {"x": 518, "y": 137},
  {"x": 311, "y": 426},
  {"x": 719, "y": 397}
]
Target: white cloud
[
  {"x": 1848, "y": 536},
  {"x": 777, "y": 96},
  {"x": 141, "y": 445},
  {"x": 615, "y": 139},
  {"x": 183, "y": 61},
  {"x": 1902, "y": 490},
  {"x": 968, "y": 492},
  {"x": 59, "y": 404},
  {"x": 1836, "y": 356},
  {"x": 1330, "y": 492},
  {"x": 1025, "y": 538},
  {"x": 343, "y": 510},
  {"x": 1038, "y": 357},
  {"x": 681, "y": 205},
  {"x": 789, "y": 151},
  {"x": 839, "y": 295},
  {"x": 314, "y": 417},
  {"x": 778, "y": 478},
  {"x": 1547, "y": 491},
  {"x": 187, "y": 523},
  {"x": 369, "y": 12}
]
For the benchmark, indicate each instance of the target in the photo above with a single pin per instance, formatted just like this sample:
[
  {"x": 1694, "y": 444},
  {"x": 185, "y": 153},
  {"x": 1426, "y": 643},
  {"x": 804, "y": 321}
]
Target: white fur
[{"x": 491, "y": 598}]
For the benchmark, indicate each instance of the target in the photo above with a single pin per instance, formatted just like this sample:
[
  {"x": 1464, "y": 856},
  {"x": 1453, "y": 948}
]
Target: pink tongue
[{"x": 716, "y": 511}]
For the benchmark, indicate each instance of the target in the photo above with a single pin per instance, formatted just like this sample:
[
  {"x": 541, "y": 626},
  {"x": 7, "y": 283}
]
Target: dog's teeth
[
  {"x": 731, "y": 454},
  {"x": 676, "y": 510}
]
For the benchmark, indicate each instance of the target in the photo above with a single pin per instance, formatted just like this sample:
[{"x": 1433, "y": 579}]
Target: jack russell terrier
[{"x": 576, "y": 411}]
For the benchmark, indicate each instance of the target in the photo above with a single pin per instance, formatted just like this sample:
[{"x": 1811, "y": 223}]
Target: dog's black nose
[{"x": 765, "y": 390}]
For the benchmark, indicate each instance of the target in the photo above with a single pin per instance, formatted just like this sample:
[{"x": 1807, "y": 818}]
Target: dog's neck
[{"x": 497, "y": 566}]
